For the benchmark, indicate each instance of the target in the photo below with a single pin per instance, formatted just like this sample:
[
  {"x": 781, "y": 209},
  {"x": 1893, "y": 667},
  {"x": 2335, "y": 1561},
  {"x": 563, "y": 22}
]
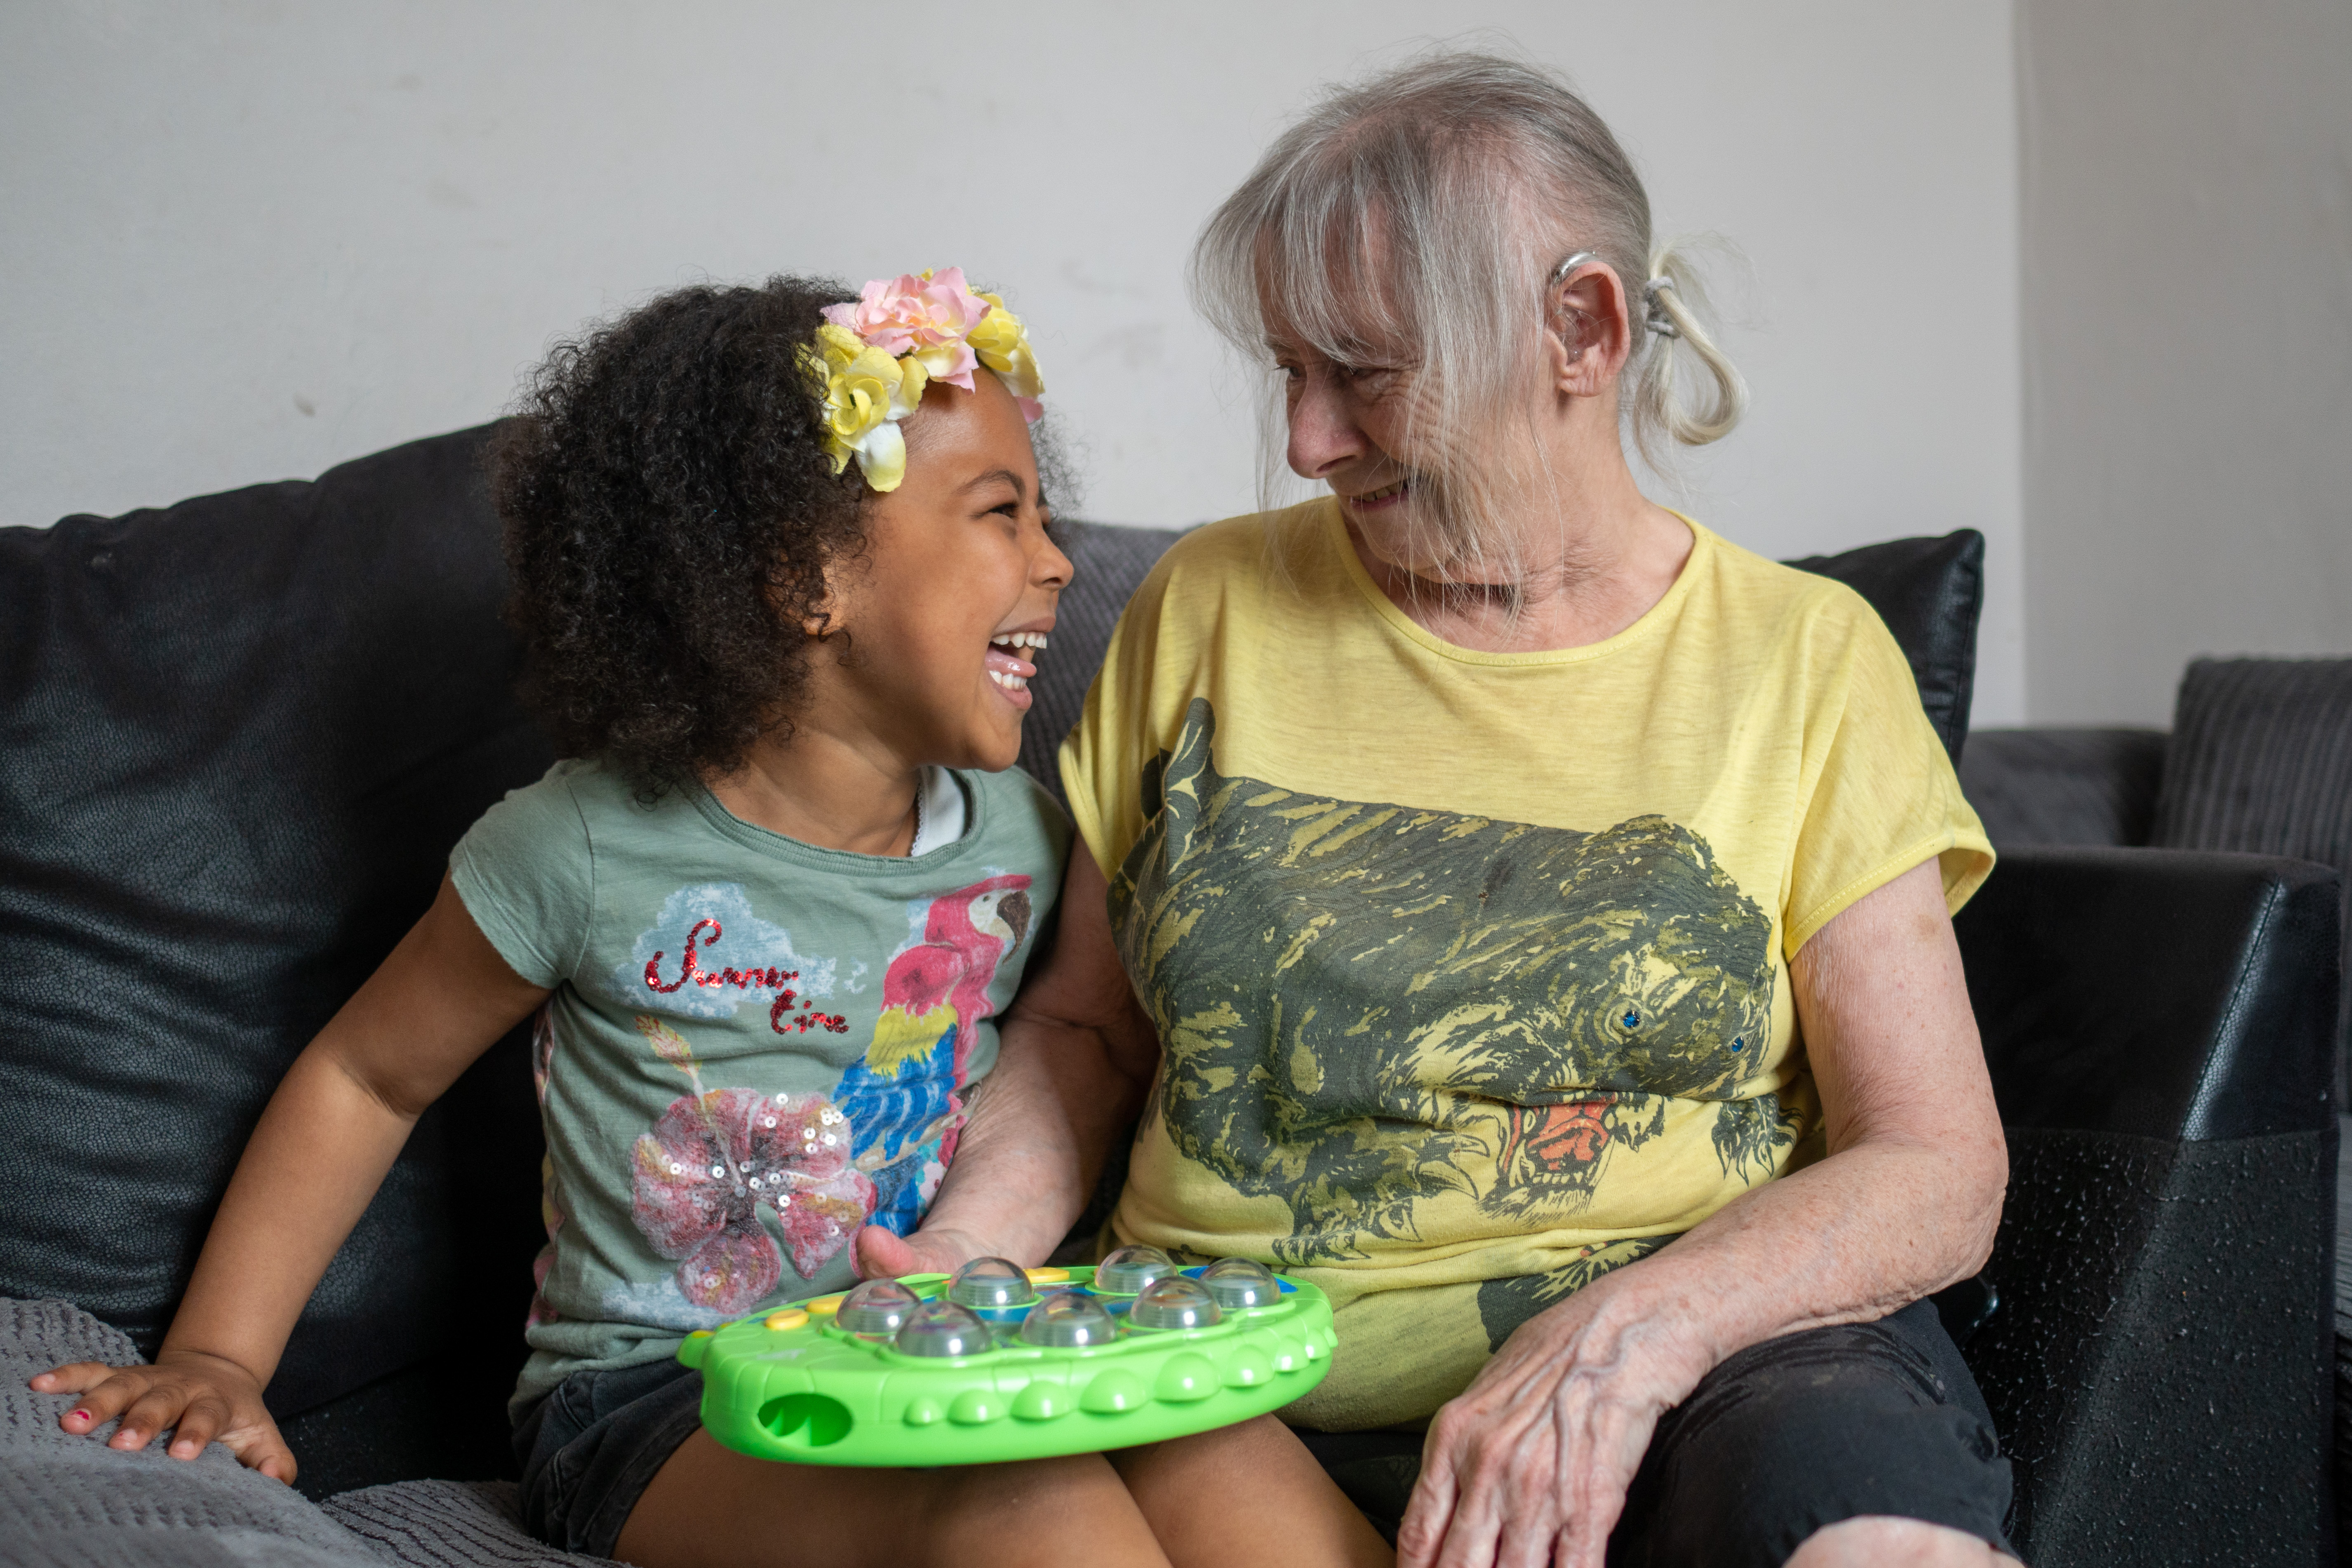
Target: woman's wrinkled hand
[
  {"x": 199, "y": 1398},
  {"x": 1530, "y": 1466},
  {"x": 882, "y": 1254}
]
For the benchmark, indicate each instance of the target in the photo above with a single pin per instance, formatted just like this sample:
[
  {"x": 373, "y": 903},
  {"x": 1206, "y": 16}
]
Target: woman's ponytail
[{"x": 1671, "y": 298}]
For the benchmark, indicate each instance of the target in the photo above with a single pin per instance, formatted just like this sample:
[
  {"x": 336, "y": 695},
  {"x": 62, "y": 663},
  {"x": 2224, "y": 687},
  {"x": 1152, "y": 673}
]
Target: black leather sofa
[{"x": 238, "y": 736}]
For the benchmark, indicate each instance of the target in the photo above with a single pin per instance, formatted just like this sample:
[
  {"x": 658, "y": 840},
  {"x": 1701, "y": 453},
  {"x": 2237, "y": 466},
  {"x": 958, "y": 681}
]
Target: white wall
[
  {"x": 241, "y": 241},
  {"x": 2187, "y": 289}
]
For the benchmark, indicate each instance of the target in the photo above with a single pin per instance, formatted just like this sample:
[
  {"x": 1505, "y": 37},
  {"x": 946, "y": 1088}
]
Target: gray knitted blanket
[{"x": 72, "y": 1503}]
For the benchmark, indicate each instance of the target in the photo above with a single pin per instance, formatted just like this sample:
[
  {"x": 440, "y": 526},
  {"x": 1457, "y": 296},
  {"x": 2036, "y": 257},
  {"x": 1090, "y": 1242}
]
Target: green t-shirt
[{"x": 754, "y": 1047}]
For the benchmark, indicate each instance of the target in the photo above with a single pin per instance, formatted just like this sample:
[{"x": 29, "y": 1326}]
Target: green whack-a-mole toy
[{"x": 1000, "y": 1362}]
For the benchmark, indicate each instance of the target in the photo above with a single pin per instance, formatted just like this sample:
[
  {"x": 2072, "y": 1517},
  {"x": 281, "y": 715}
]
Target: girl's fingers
[
  {"x": 72, "y": 1378},
  {"x": 149, "y": 1414},
  {"x": 202, "y": 1418},
  {"x": 270, "y": 1456},
  {"x": 101, "y": 1401}
]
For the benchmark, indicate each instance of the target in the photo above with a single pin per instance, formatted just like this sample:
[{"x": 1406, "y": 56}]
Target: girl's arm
[
  {"x": 1074, "y": 1058},
  {"x": 1532, "y": 1461},
  {"x": 329, "y": 1134}
]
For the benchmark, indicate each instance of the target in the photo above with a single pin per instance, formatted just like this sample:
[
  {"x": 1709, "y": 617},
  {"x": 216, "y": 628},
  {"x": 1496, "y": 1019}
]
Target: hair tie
[{"x": 1657, "y": 318}]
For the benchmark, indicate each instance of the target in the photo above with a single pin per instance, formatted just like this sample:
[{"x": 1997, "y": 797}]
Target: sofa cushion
[
  {"x": 2064, "y": 786},
  {"x": 240, "y": 735},
  {"x": 1929, "y": 592},
  {"x": 69, "y": 1500}
]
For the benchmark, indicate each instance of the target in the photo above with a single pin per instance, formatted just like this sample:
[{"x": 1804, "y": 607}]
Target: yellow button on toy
[
  {"x": 1047, "y": 1276},
  {"x": 789, "y": 1318},
  {"x": 700, "y": 1334},
  {"x": 824, "y": 1305}
]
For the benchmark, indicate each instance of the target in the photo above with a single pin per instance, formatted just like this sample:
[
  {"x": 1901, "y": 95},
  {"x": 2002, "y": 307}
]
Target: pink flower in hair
[{"x": 929, "y": 316}]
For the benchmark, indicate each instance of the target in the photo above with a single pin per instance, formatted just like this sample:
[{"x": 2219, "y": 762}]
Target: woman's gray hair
[{"x": 1426, "y": 209}]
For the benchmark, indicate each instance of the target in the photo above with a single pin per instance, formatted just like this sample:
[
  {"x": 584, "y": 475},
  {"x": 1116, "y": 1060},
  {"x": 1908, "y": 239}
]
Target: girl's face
[{"x": 948, "y": 609}]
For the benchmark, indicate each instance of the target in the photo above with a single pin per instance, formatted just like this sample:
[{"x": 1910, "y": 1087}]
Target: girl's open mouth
[{"x": 1008, "y": 667}]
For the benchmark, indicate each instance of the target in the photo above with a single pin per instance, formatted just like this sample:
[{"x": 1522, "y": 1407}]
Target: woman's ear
[{"x": 1588, "y": 333}]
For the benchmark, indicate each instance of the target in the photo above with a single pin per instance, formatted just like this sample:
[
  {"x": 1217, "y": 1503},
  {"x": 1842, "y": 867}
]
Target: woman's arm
[
  {"x": 1540, "y": 1448},
  {"x": 1074, "y": 1058},
  {"x": 322, "y": 1147}
]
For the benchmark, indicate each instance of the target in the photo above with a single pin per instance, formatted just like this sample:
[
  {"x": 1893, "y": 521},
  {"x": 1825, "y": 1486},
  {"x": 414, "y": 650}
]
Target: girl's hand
[
  {"x": 209, "y": 1398},
  {"x": 882, "y": 1254},
  {"x": 1528, "y": 1468}
]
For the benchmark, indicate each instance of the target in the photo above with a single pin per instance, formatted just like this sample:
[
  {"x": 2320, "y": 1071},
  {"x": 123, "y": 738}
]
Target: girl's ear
[{"x": 824, "y": 619}]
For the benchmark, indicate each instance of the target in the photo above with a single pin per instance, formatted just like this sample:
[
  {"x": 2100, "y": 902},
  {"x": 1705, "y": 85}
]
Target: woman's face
[
  {"x": 1368, "y": 428},
  {"x": 1346, "y": 420},
  {"x": 949, "y": 607},
  {"x": 1422, "y": 486}
]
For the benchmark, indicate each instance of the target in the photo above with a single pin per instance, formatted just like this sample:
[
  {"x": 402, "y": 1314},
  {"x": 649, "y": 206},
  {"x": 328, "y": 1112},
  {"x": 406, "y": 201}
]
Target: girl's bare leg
[
  {"x": 712, "y": 1508},
  {"x": 1246, "y": 1495}
]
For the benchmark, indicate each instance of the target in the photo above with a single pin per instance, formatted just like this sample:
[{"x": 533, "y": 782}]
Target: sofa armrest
[
  {"x": 2158, "y": 1025},
  {"x": 2159, "y": 993}
]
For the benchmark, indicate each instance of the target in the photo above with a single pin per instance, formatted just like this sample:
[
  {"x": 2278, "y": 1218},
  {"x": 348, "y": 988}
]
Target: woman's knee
[{"x": 1851, "y": 1423}]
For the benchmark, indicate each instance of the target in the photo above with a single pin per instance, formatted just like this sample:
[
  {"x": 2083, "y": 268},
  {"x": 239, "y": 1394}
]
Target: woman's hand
[
  {"x": 885, "y": 1255},
  {"x": 1530, "y": 1464},
  {"x": 208, "y": 1398}
]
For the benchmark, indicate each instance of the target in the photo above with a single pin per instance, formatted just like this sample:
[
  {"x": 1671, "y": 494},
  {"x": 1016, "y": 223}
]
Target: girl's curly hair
[{"x": 669, "y": 514}]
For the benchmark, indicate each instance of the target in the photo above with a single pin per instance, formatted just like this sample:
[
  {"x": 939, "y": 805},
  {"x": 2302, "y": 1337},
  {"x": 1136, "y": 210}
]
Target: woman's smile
[{"x": 1372, "y": 503}]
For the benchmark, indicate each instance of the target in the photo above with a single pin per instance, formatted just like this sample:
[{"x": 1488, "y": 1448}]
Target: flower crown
[{"x": 872, "y": 361}]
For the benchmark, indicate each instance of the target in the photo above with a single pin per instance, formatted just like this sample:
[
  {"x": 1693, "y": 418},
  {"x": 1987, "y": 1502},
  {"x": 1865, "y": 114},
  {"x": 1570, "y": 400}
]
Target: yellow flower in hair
[
  {"x": 836, "y": 346},
  {"x": 858, "y": 395},
  {"x": 1002, "y": 342}
]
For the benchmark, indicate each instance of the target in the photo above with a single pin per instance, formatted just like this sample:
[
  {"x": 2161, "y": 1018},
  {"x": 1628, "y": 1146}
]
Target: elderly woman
[{"x": 1525, "y": 910}]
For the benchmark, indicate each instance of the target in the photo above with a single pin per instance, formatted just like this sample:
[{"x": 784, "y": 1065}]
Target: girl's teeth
[{"x": 1010, "y": 682}]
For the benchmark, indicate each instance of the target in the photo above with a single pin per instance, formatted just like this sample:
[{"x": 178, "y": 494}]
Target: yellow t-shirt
[{"x": 1470, "y": 970}]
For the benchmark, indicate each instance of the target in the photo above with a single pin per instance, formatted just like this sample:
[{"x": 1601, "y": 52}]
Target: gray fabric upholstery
[
  {"x": 72, "y": 1503},
  {"x": 65, "y": 1501},
  {"x": 449, "y": 1524},
  {"x": 2064, "y": 786},
  {"x": 2261, "y": 761}
]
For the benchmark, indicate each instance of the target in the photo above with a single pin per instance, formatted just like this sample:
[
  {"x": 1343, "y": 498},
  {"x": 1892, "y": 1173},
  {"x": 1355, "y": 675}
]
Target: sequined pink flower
[
  {"x": 930, "y": 317},
  {"x": 714, "y": 1161}
]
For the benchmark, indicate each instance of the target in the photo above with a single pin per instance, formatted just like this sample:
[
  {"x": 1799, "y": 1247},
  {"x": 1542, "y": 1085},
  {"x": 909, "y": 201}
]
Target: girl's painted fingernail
[{"x": 78, "y": 1415}]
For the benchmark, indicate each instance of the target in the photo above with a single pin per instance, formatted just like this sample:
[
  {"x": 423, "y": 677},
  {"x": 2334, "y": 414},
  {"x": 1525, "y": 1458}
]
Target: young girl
[{"x": 765, "y": 915}]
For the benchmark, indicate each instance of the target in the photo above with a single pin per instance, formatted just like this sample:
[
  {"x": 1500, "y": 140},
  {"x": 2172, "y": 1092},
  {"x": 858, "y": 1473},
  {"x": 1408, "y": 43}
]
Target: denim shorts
[
  {"x": 1782, "y": 1439},
  {"x": 590, "y": 1448}
]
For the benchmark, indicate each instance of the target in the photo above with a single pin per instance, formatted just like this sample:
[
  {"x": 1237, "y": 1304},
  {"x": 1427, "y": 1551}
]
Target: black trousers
[{"x": 1781, "y": 1439}]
